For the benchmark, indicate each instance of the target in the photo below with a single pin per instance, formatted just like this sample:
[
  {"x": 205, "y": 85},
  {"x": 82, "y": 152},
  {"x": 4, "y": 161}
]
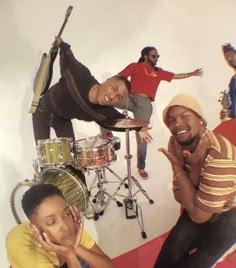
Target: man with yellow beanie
[{"x": 204, "y": 183}]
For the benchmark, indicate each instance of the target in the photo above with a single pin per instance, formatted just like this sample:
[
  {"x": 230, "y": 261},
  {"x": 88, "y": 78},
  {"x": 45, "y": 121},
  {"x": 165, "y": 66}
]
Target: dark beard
[
  {"x": 187, "y": 142},
  {"x": 151, "y": 63}
]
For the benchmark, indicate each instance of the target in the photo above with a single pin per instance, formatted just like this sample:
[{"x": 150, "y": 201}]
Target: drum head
[
  {"x": 91, "y": 142},
  {"x": 55, "y": 140},
  {"x": 74, "y": 191}
]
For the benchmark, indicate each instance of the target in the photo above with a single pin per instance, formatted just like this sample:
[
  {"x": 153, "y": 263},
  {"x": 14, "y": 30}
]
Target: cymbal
[{"x": 126, "y": 123}]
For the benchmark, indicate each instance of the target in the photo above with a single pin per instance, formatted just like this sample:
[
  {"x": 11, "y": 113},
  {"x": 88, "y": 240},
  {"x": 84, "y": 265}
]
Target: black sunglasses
[{"x": 155, "y": 56}]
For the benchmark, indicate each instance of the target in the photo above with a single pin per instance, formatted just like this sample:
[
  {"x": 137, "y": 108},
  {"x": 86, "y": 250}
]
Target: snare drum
[
  {"x": 55, "y": 152},
  {"x": 74, "y": 191},
  {"x": 94, "y": 152}
]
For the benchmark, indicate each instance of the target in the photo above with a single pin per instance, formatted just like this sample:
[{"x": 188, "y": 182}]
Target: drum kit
[{"x": 61, "y": 162}]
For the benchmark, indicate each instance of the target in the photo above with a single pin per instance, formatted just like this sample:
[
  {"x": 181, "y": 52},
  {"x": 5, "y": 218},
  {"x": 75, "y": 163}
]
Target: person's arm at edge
[
  {"x": 197, "y": 72},
  {"x": 94, "y": 256}
]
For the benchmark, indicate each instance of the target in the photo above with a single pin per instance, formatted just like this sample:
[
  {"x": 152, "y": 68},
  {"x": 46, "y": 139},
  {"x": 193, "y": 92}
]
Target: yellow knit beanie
[{"x": 185, "y": 101}]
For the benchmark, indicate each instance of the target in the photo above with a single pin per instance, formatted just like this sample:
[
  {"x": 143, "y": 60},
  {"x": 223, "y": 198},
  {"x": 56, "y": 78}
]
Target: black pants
[
  {"x": 43, "y": 120},
  {"x": 212, "y": 241}
]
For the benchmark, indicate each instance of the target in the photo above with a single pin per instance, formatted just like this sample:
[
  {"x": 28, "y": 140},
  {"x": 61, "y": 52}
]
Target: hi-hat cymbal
[{"x": 126, "y": 123}]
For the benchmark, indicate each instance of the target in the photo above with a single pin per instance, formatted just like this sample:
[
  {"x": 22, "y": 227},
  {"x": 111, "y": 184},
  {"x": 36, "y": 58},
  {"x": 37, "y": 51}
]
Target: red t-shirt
[{"x": 145, "y": 79}]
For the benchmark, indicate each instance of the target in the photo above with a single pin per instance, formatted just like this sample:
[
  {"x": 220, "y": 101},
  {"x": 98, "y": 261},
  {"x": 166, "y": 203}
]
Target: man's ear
[{"x": 203, "y": 123}]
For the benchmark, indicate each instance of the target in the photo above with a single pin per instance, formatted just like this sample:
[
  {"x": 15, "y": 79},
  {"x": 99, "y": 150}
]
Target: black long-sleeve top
[{"x": 69, "y": 97}]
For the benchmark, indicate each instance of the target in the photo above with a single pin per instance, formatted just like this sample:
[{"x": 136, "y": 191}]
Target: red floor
[
  {"x": 141, "y": 257},
  {"x": 145, "y": 256}
]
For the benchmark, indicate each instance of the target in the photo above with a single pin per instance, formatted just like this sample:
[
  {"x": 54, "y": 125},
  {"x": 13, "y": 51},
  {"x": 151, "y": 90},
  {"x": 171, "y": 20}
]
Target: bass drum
[
  {"x": 74, "y": 190},
  {"x": 16, "y": 197}
]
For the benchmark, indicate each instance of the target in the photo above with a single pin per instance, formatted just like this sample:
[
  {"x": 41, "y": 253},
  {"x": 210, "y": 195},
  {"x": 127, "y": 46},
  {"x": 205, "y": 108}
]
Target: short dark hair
[
  {"x": 228, "y": 47},
  {"x": 33, "y": 197},
  {"x": 145, "y": 52},
  {"x": 124, "y": 79}
]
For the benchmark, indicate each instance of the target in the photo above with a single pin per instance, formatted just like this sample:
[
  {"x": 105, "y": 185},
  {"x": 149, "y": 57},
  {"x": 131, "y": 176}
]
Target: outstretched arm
[{"x": 197, "y": 72}]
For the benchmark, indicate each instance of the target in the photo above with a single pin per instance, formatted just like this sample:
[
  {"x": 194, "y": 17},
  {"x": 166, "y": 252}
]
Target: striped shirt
[{"x": 217, "y": 188}]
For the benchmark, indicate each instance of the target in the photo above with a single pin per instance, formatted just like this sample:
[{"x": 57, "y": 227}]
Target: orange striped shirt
[{"x": 217, "y": 189}]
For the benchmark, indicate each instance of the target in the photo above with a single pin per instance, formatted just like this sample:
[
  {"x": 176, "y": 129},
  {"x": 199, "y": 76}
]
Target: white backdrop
[{"x": 105, "y": 35}]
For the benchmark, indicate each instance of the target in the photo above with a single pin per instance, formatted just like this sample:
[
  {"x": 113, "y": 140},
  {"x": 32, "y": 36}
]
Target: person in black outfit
[{"x": 77, "y": 95}]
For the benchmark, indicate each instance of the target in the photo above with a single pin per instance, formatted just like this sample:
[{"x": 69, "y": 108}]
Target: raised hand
[
  {"x": 79, "y": 225},
  {"x": 197, "y": 72},
  {"x": 174, "y": 153},
  {"x": 197, "y": 157},
  {"x": 57, "y": 41},
  {"x": 47, "y": 244},
  {"x": 145, "y": 135}
]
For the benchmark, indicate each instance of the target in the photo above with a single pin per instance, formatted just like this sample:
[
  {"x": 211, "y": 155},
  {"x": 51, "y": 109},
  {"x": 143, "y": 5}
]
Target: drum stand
[
  {"x": 99, "y": 200},
  {"x": 132, "y": 209}
]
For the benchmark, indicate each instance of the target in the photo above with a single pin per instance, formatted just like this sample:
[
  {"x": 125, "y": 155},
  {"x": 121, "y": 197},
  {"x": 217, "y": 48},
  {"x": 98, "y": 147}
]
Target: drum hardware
[
  {"x": 132, "y": 209},
  {"x": 99, "y": 200},
  {"x": 131, "y": 205},
  {"x": 37, "y": 170}
]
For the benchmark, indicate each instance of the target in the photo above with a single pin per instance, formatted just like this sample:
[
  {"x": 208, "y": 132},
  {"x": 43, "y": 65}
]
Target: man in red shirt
[{"x": 145, "y": 78}]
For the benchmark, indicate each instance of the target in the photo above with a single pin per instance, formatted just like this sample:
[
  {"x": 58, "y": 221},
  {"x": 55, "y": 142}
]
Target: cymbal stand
[
  {"x": 99, "y": 200},
  {"x": 37, "y": 170},
  {"x": 132, "y": 209}
]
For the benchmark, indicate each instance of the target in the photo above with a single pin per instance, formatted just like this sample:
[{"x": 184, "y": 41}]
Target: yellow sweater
[{"x": 23, "y": 251}]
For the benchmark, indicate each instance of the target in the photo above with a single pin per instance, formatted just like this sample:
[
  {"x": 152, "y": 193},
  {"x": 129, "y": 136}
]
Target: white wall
[{"x": 106, "y": 35}]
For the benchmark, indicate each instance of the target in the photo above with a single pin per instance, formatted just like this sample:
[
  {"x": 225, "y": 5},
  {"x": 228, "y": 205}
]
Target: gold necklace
[{"x": 153, "y": 73}]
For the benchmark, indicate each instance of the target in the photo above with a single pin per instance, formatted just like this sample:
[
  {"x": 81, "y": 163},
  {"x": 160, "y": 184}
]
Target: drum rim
[
  {"x": 114, "y": 138},
  {"x": 12, "y": 201},
  {"x": 55, "y": 140},
  {"x": 76, "y": 145}
]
